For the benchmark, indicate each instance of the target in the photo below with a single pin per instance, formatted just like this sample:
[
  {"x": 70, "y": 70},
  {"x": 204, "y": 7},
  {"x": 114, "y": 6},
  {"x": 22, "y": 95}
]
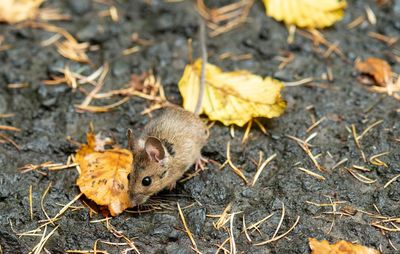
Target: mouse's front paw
[
  {"x": 200, "y": 163},
  {"x": 171, "y": 186}
]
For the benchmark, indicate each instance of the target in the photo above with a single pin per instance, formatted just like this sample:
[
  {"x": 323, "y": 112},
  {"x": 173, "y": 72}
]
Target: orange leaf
[
  {"x": 104, "y": 174},
  {"x": 341, "y": 247},
  {"x": 379, "y": 69}
]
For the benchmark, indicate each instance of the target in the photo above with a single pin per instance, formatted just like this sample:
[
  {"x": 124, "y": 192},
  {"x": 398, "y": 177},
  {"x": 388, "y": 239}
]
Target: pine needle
[
  {"x": 234, "y": 168},
  {"x": 280, "y": 236},
  {"x": 194, "y": 245},
  {"x": 261, "y": 168},
  {"x": 391, "y": 181}
]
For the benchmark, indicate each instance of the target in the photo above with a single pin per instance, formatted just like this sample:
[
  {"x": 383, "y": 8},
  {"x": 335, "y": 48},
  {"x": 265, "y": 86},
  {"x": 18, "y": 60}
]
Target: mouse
[{"x": 168, "y": 146}]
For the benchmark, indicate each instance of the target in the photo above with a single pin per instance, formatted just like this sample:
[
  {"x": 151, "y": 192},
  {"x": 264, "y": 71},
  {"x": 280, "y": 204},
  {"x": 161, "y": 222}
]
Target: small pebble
[{"x": 80, "y": 6}]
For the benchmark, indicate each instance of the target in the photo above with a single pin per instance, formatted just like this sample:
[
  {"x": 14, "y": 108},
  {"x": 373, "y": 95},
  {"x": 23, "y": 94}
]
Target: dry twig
[
  {"x": 234, "y": 168},
  {"x": 187, "y": 230}
]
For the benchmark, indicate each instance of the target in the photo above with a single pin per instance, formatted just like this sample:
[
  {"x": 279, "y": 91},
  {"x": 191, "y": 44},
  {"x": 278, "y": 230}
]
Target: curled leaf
[
  {"x": 231, "y": 97},
  {"x": 104, "y": 174},
  {"x": 377, "y": 68},
  {"x": 14, "y": 11},
  {"x": 341, "y": 247},
  {"x": 306, "y": 13}
]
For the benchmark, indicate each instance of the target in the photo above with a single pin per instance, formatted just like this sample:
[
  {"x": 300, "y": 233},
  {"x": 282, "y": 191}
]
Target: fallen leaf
[
  {"x": 306, "y": 13},
  {"x": 341, "y": 247},
  {"x": 104, "y": 173},
  {"x": 379, "y": 69},
  {"x": 231, "y": 97},
  {"x": 14, "y": 11}
]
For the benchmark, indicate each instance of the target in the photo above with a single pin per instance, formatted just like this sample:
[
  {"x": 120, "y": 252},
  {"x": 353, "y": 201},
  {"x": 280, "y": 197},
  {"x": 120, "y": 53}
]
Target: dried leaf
[
  {"x": 341, "y": 247},
  {"x": 379, "y": 69},
  {"x": 14, "y": 11},
  {"x": 306, "y": 13},
  {"x": 231, "y": 97},
  {"x": 104, "y": 173}
]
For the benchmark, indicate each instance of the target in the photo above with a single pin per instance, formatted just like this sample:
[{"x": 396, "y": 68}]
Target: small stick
[
  {"x": 316, "y": 124},
  {"x": 261, "y": 168},
  {"x": 97, "y": 88},
  {"x": 385, "y": 228},
  {"x": 234, "y": 168},
  {"x": 9, "y": 140},
  {"x": 6, "y": 115},
  {"x": 221, "y": 247},
  {"x": 255, "y": 225},
  {"x": 42, "y": 203},
  {"x": 222, "y": 217},
  {"x": 361, "y": 178},
  {"x": 247, "y": 132},
  {"x": 202, "y": 35},
  {"x": 186, "y": 227},
  {"x": 65, "y": 208},
  {"x": 101, "y": 109},
  {"x": 30, "y": 202},
  {"x": 86, "y": 251},
  {"x": 356, "y": 22},
  {"x": 262, "y": 128},
  {"x": 361, "y": 168},
  {"x": 355, "y": 137},
  {"x": 368, "y": 129},
  {"x": 280, "y": 236},
  {"x": 232, "y": 131},
  {"x": 339, "y": 163},
  {"x": 232, "y": 238},
  {"x": 391, "y": 181},
  {"x": 9, "y": 128},
  {"x": 300, "y": 82},
  {"x": 59, "y": 167},
  {"x": 245, "y": 230},
  {"x": 280, "y": 221},
  {"x": 391, "y": 244},
  {"x": 312, "y": 173},
  {"x": 377, "y": 162},
  {"x": 325, "y": 204},
  {"x": 38, "y": 248}
]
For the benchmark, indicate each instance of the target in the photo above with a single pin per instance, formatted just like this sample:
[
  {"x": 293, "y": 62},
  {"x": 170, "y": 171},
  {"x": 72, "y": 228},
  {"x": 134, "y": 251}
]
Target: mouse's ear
[{"x": 154, "y": 149}]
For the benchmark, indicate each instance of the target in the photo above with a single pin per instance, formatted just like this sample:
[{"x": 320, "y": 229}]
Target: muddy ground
[{"x": 47, "y": 116}]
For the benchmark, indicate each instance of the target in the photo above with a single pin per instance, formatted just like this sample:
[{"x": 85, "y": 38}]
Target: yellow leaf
[
  {"x": 104, "y": 174},
  {"x": 341, "y": 247},
  {"x": 231, "y": 97},
  {"x": 13, "y": 11},
  {"x": 306, "y": 13}
]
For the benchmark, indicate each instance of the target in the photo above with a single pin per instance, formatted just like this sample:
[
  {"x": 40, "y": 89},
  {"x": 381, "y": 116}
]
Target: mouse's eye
[{"x": 146, "y": 181}]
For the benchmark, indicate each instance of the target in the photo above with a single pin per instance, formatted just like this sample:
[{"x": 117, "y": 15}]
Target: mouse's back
[{"x": 177, "y": 125}]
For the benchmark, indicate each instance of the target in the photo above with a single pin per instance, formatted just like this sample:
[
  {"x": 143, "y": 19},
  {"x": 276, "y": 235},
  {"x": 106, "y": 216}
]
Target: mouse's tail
[{"x": 203, "y": 46}]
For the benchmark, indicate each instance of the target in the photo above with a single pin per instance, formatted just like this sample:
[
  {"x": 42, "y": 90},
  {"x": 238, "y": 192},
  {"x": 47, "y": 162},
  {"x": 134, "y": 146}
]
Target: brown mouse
[{"x": 169, "y": 145}]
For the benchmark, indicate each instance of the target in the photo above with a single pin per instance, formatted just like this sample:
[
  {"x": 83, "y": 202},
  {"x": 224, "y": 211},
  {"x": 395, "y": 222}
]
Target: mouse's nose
[{"x": 137, "y": 199}]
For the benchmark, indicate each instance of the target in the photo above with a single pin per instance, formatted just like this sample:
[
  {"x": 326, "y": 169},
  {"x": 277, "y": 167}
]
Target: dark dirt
[{"x": 47, "y": 116}]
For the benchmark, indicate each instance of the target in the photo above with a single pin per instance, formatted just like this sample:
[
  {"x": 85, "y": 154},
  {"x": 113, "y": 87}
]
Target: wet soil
[{"x": 46, "y": 115}]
